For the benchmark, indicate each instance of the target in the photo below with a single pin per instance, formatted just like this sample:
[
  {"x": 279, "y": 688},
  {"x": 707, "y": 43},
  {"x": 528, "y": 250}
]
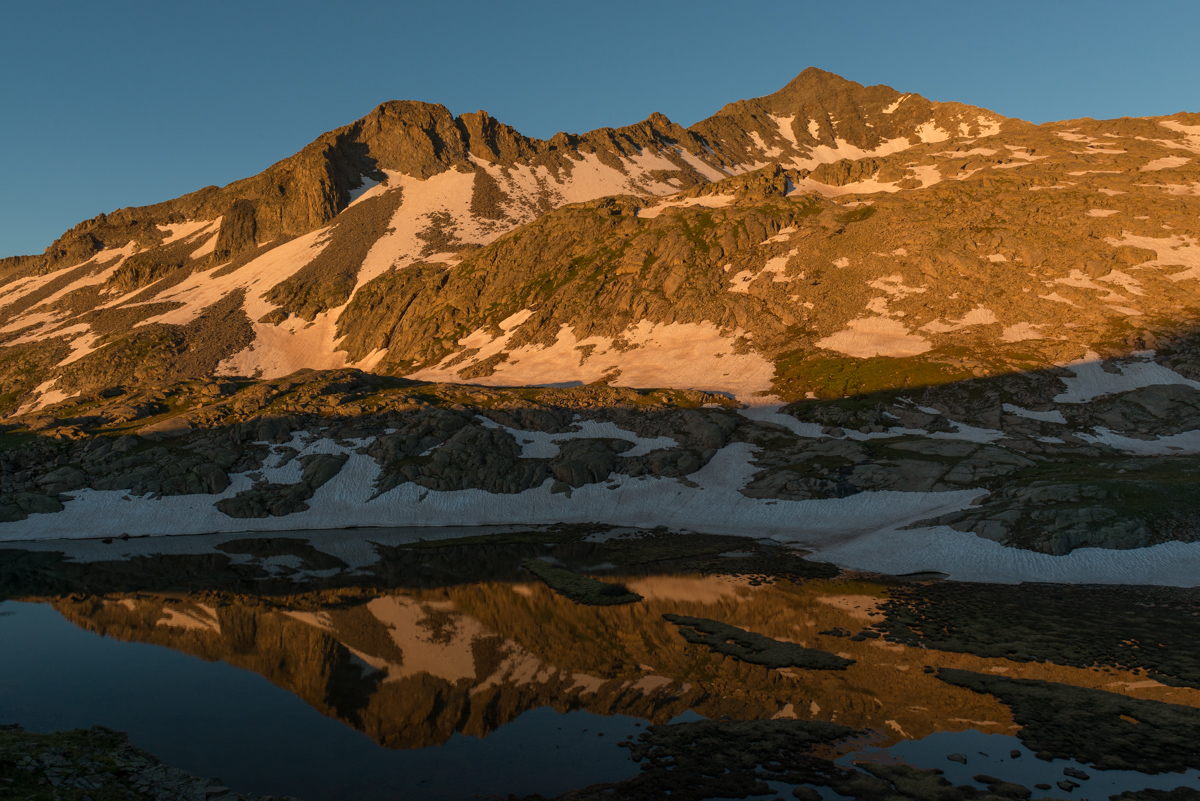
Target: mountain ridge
[
  {"x": 833, "y": 294},
  {"x": 413, "y": 155},
  {"x": 415, "y": 140}
]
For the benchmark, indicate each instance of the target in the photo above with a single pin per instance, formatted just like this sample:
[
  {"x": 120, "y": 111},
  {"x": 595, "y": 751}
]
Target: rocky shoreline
[
  {"x": 288, "y": 454},
  {"x": 97, "y": 764}
]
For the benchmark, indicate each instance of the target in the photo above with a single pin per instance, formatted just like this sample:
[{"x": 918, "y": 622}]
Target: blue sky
[{"x": 123, "y": 103}]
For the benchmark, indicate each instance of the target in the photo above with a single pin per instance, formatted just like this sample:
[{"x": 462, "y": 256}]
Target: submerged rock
[{"x": 747, "y": 646}]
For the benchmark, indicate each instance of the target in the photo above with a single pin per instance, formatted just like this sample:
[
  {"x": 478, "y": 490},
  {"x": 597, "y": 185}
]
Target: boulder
[
  {"x": 586, "y": 461},
  {"x": 63, "y": 479}
]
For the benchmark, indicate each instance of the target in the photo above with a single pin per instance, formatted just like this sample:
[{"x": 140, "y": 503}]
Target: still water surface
[
  {"x": 497, "y": 686},
  {"x": 217, "y": 720}
]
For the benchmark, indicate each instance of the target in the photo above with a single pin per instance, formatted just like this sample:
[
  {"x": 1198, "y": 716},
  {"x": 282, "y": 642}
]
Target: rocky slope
[{"x": 833, "y": 311}]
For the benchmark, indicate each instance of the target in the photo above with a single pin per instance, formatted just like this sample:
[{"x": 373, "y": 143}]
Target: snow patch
[
  {"x": 1187, "y": 442},
  {"x": 1181, "y": 251},
  {"x": 1165, "y": 163},
  {"x": 784, "y": 235},
  {"x": 44, "y": 395},
  {"x": 863, "y": 532},
  {"x": 706, "y": 201},
  {"x": 1079, "y": 279},
  {"x": 970, "y": 433},
  {"x": 210, "y": 244},
  {"x": 542, "y": 445},
  {"x": 867, "y": 187},
  {"x": 1022, "y": 158},
  {"x": 774, "y": 267},
  {"x": 515, "y": 320},
  {"x": 957, "y": 154},
  {"x": 1175, "y": 189},
  {"x": 1091, "y": 380},
  {"x": 1054, "y": 297},
  {"x": 1123, "y": 280},
  {"x": 928, "y": 132},
  {"x": 875, "y": 336},
  {"x": 977, "y": 316},
  {"x": 714, "y": 505},
  {"x": 676, "y": 355},
  {"x": 701, "y": 166},
  {"x": 785, "y": 128},
  {"x": 448, "y": 192},
  {"x": 1053, "y": 416},
  {"x": 1191, "y": 140},
  {"x": 83, "y": 344},
  {"x": 202, "y": 289},
  {"x": 177, "y": 232},
  {"x": 106, "y": 263},
  {"x": 823, "y": 154},
  {"x": 279, "y": 350},
  {"x": 966, "y": 557},
  {"x": 894, "y": 284},
  {"x": 988, "y": 126},
  {"x": 927, "y": 174},
  {"x": 769, "y": 152},
  {"x": 365, "y": 187}
]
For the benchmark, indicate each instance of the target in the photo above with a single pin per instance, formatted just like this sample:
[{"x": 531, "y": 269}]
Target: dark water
[
  {"x": 217, "y": 720},
  {"x": 466, "y": 678}
]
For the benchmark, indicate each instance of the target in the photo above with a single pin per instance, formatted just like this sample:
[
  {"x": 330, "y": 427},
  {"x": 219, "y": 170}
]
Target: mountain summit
[
  {"x": 288, "y": 250},
  {"x": 830, "y": 311}
]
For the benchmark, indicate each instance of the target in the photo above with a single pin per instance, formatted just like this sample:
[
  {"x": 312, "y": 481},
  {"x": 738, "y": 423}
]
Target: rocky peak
[
  {"x": 307, "y": 190},
  {"x": 411, "y": 137},
  {"x": 818, "y": 108},
  {"x": 815, "y": 86},
  {"x": 493, "y": 141}
]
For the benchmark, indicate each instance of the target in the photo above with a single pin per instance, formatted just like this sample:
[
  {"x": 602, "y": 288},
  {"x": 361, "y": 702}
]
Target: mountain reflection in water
[
  {"x": 411, "y": 668},
  {"x": 473, "y": 678}
]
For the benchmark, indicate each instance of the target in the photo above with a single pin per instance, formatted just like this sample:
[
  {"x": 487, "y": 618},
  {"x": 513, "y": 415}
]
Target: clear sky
[{"x": 129, "y": 102}]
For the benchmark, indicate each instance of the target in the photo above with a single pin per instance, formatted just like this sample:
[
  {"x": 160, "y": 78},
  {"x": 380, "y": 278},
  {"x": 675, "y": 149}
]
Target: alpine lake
[{"x": 581, "y": 662}]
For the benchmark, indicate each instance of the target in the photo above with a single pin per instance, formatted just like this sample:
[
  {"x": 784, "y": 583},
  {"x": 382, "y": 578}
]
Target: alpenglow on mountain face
[{"x": 909, "y": 335}]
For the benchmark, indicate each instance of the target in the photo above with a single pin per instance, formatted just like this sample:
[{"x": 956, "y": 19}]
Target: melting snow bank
[
  {"x": 1094, "y": 378},
  {"x": 966, "y": 557},
  {"x": 1175, "y": 444},
  {"x": 862, "y": 532},
  {"x": 541, "y": 445},
  {"x": 714, "y": 504},
  {"x": 768, "y": 410}
]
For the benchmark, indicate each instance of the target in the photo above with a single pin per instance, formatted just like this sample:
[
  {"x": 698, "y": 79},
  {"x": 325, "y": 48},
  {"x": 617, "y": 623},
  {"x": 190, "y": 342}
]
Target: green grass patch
[
  {"x": 13, "y": 440},
  {"x": 1153, "y": 488},
  {"x": 799, "y": 371},
  {"x": 859, "y": 214}
]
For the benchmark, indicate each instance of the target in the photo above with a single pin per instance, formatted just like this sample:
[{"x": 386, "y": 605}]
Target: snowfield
[{"x": 860, "y": 532}]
